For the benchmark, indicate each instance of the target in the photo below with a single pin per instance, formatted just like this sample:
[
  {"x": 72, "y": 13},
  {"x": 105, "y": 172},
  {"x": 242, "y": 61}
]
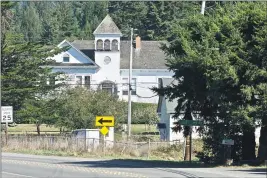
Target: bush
[
  {"x": 79, "y": 106},
  {"x": 144, "y": 113}
]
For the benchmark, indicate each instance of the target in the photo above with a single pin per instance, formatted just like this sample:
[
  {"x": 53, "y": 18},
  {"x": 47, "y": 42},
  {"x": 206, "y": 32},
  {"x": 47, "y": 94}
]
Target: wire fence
[{"x": 92, "y": 145}]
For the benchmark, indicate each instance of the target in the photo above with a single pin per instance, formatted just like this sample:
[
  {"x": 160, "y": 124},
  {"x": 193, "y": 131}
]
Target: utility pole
[
  {"x": 130, "y": 89},
  {"x": 203, "y": 7}
]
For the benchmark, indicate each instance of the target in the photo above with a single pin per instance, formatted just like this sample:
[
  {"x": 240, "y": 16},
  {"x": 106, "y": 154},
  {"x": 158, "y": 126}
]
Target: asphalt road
[{"x": 33, "y": 166}]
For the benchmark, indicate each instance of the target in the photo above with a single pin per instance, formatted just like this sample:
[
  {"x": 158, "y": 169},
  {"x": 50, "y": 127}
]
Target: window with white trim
[
  {"x": 159, "y": 82},
  {"x": 79, "y": 80},
  {"x": 109, "y": 87},
  {"x": 125, "y": 86},
  {"x": 66, "y": 58},
  {"x": 87, "y": 81},
  {"x": 133, "y": 86}
]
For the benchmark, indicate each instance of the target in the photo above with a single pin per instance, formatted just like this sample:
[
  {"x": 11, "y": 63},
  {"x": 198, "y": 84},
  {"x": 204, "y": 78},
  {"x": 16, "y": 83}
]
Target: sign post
[
  {"x": 190, "y": 123},
  {"x": 104, "y": 122},
  {"x": 6, "y": 117},
  {"x": 228, "y": 143}
]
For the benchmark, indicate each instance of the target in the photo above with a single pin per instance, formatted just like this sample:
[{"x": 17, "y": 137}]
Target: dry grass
[
  {"x": 31, "y": 128},
  {"x": 66, "y": 146}
]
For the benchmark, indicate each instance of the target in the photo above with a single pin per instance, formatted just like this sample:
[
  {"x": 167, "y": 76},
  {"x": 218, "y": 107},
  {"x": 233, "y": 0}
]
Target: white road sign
[{"x": 6, "y": 114}]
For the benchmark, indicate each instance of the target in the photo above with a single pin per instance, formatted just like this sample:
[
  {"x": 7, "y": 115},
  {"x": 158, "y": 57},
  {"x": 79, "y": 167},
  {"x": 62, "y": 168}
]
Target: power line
[
  {"x": 95, "y": 84},
  {"x": 146, "y": 96},
  {"x": 122, "y": 90}
]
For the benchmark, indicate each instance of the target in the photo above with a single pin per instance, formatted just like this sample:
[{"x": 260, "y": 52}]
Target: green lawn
[
  {"x": 136, "y": 128},
  {"x": 139, "y": 128},
  {"x": 32, "y": 128}
]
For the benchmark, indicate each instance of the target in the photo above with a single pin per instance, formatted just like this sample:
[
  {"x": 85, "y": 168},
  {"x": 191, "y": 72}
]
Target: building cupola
[{"x": 107, "y": 35}]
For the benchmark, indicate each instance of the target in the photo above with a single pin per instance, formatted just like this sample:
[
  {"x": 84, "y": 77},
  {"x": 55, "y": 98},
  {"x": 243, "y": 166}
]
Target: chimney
[{"x": 138, "y": 42}]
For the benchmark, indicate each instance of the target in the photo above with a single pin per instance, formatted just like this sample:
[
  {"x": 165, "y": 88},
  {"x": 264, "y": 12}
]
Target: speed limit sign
[{"x": 6, "y": 114}]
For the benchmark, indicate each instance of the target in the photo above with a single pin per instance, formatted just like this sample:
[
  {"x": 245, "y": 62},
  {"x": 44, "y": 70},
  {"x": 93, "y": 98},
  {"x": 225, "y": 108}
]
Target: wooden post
[
  {"x": 148, "y": 151},
  {"x": 104, "y": 147},
  {"x": 93, "y": 144},
  {"x": 6, "y": 132},
  {"x": 190, "y": 156},
  {"x": 184, "y": 146}
]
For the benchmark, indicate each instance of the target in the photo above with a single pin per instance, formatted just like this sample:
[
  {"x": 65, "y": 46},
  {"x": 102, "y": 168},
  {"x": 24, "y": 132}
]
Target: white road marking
[{"x": 21, "y": 175}]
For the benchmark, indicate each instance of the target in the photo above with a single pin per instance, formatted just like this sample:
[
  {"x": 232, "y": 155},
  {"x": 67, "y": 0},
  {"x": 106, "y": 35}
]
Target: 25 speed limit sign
[{"x": 6, "y": 114}]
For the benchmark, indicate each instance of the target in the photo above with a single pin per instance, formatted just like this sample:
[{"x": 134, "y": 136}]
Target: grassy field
[
  {"x": 32, "y": 128},
  {"x": 139, "y": 128},
  {"x": 23, "y": 128}
]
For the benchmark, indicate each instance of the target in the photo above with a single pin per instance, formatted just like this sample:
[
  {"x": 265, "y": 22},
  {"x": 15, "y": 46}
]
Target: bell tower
[{"x": 107, "y": 50}]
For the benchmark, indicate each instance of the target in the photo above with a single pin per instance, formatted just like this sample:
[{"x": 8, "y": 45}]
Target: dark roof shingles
[
  {"x": 107, "y": 26},
  {"x": 150, "y": 56}
]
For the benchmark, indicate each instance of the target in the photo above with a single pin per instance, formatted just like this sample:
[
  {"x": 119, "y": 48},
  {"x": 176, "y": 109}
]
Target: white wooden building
[{"x": 103, "y": 63}]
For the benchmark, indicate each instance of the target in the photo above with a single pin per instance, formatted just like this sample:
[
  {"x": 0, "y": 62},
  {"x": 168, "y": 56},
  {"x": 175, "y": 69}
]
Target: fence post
[
  {"x": 85, "y": 143},
  {"x": 93, "y": 144},
  {"x": 148, "y": 151},
  {"x": 104, "y": 147},
  {"x": 184, "y": 147},
  {"x": 6, "y": 132}
]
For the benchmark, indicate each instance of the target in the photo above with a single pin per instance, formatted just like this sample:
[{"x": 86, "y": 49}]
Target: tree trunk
[
  {"x": 187, "y": 143},
  {"x": 38, "y": 128},
  {"x": 187, "y": 131},
  {"x": 262, "y": 153},
  {"x": 187, "y": 149},
  {"x": 248, "y": 143}
]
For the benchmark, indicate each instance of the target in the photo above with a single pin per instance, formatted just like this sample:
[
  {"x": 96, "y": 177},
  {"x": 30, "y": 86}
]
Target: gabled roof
[
  {"x": 71, "y": 45},
  {"x": 107, "y": 26},
  {"x": 150, "y": 56},
  {"x": 170, "y": 105}
]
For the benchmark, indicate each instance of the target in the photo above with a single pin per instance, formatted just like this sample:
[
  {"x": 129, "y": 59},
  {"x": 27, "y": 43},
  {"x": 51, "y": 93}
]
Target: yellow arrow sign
[{"x": 104, "y": 121}]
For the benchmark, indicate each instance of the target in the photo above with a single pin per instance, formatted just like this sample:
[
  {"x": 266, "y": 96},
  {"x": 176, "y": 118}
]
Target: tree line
[{"x": 52, "y": 22}]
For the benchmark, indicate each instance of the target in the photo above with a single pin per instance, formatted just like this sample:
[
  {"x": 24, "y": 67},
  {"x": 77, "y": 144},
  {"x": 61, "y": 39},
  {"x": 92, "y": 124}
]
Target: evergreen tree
[
  {"x": 23, "y": 67},
  {"x": 127, "y": 15},
  {"x": 220, "y": 84},
  {"x": 89, "y": 15},
  {"x": 49, "y": 21},
  {"x": 30, "y": 24},
  {"x": 66, "y": 24}
]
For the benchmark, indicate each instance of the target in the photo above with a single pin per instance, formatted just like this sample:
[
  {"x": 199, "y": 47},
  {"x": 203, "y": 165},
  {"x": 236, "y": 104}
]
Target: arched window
[
  {"x": 99, "y": 45},
  {"x": 108, "y": 86},
  {"x": 115, "y": 45},
  {"x": 107, "y": 45},
  {"x": 66, "y": 58}
]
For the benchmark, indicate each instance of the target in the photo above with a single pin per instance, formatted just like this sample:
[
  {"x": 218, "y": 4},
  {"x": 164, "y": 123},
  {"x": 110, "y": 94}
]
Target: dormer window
[
  {"x": 107, "y": 45},
  {"x": 66, "y": 58}
]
